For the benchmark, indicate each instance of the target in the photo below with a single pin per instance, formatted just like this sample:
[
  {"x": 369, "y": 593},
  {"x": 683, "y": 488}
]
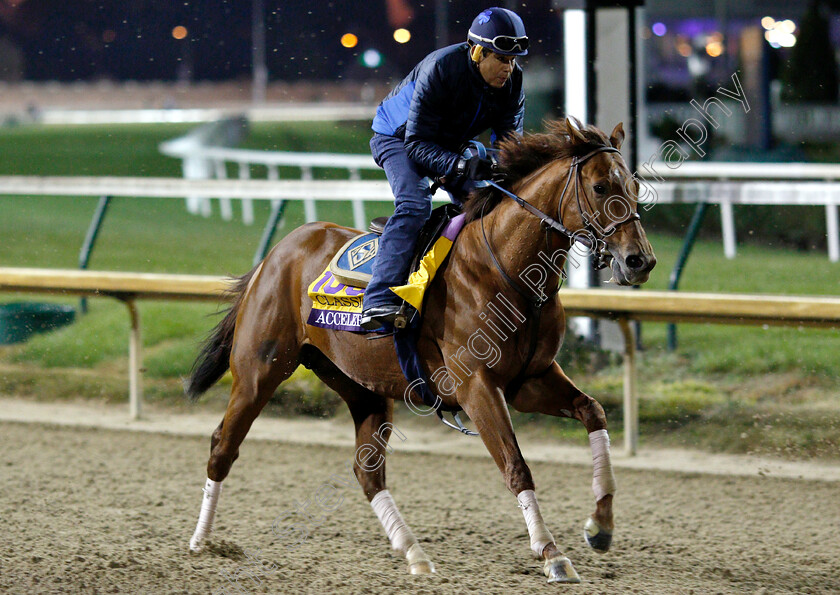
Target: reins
[{"x": 548, "y": 223}]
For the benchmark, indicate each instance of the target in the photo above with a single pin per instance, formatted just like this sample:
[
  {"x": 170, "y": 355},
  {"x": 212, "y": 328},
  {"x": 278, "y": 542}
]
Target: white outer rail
[
  {"x": 309, "y": 191},
  {"x": 179, "y": 188},
  {"x": 244, "y": 159},
  {"x": 721, "y": 183},
  {"x": 728, "y": 170},
  {"x": 295, "y": 112},
  {"x": 725, "y": 194},
  {"x": 727, "y": 183}
]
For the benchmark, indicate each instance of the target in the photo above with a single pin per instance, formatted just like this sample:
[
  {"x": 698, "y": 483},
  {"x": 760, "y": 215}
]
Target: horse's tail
[{"x": 214, "y": 359}]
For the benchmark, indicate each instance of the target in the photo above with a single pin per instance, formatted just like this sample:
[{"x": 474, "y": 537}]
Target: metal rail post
[
  {"x": 631, "y": 401},
  {"x": 309, "y": 211},
  {"x": 135, "y": 362},
  {"x": 832, "y": 232},
  {"x": 359, "y": 219},
  {"x": 90, "y": 239},
  {"x": 727, "y": 221},
  {"x": 247, "y": 203},
  {"x": 676, "y": 273},
  {"x": 277, "y": 208}
]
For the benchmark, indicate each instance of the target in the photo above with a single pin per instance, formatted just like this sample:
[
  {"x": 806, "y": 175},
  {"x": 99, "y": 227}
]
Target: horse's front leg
[
  {"x": 486, "y": 406},
  {"x": 553, "y": 393}
]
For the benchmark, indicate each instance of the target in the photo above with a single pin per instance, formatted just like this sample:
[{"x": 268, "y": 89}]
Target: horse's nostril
[{"x": 635, "y": 262}]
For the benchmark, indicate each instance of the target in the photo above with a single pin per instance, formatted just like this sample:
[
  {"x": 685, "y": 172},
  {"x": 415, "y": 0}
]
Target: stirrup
[
  {"x": 460, "y": 427},
  {"x": 405, "y": 316}
]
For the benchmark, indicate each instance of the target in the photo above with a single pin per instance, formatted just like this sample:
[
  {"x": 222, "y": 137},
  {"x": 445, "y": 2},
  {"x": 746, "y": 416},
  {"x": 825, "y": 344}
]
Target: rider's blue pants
[{"x": 412, "y": 207}]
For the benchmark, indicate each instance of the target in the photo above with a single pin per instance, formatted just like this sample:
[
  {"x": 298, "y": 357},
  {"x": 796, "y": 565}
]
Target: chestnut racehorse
[{"x": 493, "y": 325}]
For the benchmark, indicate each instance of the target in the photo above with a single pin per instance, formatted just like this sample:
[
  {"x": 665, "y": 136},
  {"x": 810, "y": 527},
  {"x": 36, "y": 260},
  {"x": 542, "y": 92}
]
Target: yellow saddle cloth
[{"x": 338, "y": 305}]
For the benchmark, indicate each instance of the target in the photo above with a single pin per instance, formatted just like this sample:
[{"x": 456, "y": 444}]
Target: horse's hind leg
[
  {"x": 372, "y": 415},
  {"x": 256, "y": 374},
  {"x": 554, "y": 394}
]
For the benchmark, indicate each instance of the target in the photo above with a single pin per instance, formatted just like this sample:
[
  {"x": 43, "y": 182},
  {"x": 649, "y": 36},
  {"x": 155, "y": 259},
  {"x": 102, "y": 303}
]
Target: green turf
[
  {"x": 747, "y": 349},
  {"x": 88, "y": 150},
  {"x": 158, "y": 235},
  {"x": 149, "y": 234},
  {"x": 718, "y": 371}
]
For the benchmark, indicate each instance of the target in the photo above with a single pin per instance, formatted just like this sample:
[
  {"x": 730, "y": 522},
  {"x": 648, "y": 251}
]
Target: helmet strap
[{"x": 476, "y": 53}]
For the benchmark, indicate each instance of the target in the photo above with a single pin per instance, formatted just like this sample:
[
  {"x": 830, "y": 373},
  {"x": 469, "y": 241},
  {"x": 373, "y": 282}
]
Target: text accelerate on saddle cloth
[
  {"x": 339, "y": 306},
  {"x": 334, "y": 304}
]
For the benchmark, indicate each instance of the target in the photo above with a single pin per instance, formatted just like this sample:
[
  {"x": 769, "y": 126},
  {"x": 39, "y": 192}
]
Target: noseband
[{"x": 589, "y": 215}]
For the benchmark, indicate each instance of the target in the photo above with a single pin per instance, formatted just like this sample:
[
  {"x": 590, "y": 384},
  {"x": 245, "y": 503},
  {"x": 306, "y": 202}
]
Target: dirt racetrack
[{"x": 103, "y": 511}]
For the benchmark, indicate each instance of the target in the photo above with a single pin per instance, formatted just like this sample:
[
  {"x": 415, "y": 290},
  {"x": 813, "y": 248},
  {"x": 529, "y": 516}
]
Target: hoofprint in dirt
[{"x": 85, "y": 510}]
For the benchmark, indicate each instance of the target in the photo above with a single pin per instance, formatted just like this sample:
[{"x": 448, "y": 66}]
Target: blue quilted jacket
[{"x": 443, "y": 103}]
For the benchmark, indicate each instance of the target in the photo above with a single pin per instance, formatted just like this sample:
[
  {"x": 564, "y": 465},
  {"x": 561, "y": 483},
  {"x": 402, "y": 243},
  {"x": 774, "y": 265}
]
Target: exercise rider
[{"x": 453, "y": 95}]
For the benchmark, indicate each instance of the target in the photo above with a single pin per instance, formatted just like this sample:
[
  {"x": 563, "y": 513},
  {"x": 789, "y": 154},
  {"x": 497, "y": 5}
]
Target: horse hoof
[
  {"x": 421, "y": 567},
  {"x": 418, "y": 561},
  {"x": 560, "y": 570},
  {"x": 598, "y": 538},
  {"x": 196, "y": 546}
]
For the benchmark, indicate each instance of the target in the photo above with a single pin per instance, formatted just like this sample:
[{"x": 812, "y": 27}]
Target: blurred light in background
[
  {"x": 179, "y": 32},
  {"x": 402, "y": 35},
  {"x": 683, "y": 47},
  {"x": 371, "y": 58},
  {"x": 779, "y": 34},
  {"x": 714, "y": 44},
  {"x": 349, "y": 40},
  {"x": 399, "y": 12},
  {"x": 659, "y": 29},
  {"x": 714, "y": 48},
  {"x": 109, "y": 36}
]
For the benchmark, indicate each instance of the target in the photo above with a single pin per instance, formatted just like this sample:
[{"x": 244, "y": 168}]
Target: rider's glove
[{"x": 474, "y": 168}]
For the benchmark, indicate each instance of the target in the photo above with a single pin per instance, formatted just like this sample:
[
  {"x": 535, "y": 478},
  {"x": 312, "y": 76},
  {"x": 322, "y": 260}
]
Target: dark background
[{"x": 90, "y": 39}]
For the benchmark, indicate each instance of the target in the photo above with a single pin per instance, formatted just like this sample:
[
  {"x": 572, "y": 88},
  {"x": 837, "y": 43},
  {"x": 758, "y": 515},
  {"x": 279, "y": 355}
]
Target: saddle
[
  {"x": 353, "y": 263},
  {"x": 338, "y": 292}
]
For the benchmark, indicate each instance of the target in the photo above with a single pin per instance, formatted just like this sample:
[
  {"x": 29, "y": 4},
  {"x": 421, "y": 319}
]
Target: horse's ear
[
  {"x": 617, "y": 136},
  {"x": 573, "y": 126}
]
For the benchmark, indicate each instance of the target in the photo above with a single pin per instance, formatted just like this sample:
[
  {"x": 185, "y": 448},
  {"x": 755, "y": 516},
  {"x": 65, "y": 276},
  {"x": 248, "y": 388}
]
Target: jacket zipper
[{"x": 478, "y": 111}]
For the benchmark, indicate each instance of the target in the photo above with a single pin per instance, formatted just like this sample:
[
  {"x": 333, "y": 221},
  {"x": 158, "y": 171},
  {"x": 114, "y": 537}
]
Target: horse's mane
[{"x": 521, "y": 155}]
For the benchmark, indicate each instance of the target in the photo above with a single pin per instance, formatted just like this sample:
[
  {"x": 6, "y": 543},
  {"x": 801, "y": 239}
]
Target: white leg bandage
[
  {"x": 212, "y": 489},
  {"x": 540, "y": 535},
  {"x": 389, "y": 515},
  {"x": 603, "y": 480}
]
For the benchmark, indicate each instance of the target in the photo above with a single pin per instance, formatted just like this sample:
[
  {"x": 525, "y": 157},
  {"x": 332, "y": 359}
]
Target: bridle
[
  {"x": 589, "y": 214},
  {"x": 594, "y": 240},
  {"x": 550, "y": 224}
]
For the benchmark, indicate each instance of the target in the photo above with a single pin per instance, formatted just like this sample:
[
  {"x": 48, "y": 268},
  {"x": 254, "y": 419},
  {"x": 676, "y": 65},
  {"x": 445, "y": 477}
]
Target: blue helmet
[{"x": 501, "y": 31}]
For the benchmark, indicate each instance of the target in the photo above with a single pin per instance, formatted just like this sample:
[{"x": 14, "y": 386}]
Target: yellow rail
[{"x": 620, "y": 305}]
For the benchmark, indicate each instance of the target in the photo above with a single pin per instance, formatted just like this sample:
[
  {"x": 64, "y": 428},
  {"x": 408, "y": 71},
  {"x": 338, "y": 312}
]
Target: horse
[{"x": 567, "y": 183}]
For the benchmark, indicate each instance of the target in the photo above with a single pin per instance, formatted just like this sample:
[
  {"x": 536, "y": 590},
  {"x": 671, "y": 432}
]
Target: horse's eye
[{"x": 599, "y": 188}]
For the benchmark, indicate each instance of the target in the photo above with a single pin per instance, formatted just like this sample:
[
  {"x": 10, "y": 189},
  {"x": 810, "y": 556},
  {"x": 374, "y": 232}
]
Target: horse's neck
[{"x": 519, "y": 241}]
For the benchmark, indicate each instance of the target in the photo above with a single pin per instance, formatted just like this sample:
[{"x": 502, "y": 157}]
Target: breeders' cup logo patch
[{"x": 363, "y": 253}]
